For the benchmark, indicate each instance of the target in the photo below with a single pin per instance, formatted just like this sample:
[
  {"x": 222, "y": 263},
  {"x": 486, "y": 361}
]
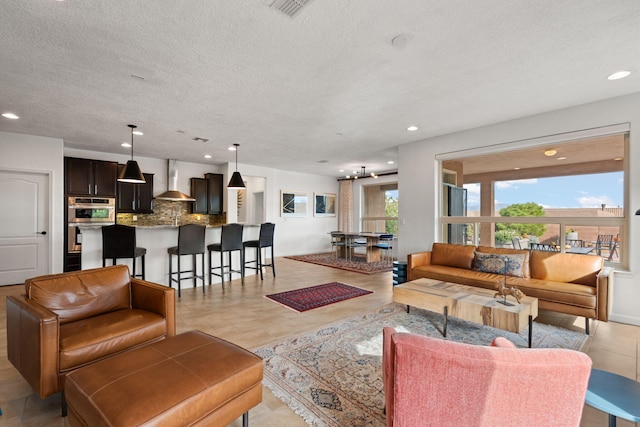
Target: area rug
[
  {"x": 332, "y": 376},
  {"x": 317, "y": 296},
  {"x": 358, "y": 262}
]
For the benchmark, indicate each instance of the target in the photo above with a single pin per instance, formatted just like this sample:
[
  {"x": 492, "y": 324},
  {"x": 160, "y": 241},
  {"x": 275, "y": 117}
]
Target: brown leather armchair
[{"x": 65, "y": 321}]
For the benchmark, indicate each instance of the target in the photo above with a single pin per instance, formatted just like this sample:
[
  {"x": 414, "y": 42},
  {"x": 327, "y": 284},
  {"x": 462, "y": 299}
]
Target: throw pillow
[{"x": 494, "y": 263}]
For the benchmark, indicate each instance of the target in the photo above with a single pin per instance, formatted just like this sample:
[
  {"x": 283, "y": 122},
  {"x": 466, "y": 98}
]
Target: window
[
  {"x": 380, "y": 213},
  {"x": 568, "y": 196}
]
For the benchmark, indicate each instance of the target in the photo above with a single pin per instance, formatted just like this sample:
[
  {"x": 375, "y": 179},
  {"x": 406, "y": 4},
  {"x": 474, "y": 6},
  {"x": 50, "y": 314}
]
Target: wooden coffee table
[{"x": 468, "y": 303}]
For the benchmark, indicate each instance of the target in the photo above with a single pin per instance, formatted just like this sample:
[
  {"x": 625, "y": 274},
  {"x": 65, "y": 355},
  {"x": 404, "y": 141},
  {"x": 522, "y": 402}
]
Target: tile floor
[{"x": 241, "y": 314}]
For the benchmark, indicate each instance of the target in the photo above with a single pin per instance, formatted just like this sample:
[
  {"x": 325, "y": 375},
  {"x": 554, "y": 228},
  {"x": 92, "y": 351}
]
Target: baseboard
[{"x": 630, "y": 320}]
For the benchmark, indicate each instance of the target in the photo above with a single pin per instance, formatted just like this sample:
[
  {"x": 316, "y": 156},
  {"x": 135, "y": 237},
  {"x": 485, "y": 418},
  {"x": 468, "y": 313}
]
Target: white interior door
[{"x": 24, "y": 219}]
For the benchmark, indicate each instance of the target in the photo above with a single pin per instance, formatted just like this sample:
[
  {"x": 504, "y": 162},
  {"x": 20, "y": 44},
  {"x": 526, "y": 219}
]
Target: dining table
[{"x": 348, "y": 239}]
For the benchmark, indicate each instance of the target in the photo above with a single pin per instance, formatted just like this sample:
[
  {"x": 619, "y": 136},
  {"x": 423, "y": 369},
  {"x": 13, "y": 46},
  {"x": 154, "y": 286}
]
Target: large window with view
[
  {"x": 566, "y": 197},
  {"x": 380, "y": 208}
]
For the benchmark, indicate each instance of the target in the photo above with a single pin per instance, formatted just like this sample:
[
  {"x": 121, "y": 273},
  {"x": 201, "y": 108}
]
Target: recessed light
[
  {"x": 232, "y": 148},
  {"x": 341, "y": 170},
  {"x": 390, "y": 162},
  {"x": 562, "y": 158},
  {"x": 516, "y": 169},
  {"x": 619, "y": 75},
  {"x": 126, "y": 144},
  {"x": 412, "y": 128},
  {"x": 10, "y": 116},
  {"x": 137, "y": 132},
  {"x": 617, "y": 159},
  {"x": 550, "y": 153},
  {"x": 207, "y": 156}
]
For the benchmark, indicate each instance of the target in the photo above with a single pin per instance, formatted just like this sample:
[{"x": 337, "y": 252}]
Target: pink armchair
[{"x": 433, "y": 382}]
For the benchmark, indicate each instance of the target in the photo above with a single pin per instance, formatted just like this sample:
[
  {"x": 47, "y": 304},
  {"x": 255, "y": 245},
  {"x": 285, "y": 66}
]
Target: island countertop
[{"x": 156, "y": 239}]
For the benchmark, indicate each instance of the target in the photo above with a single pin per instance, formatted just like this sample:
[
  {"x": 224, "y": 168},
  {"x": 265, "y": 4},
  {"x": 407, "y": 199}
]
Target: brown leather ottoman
[{"x": 189, "y": 379}]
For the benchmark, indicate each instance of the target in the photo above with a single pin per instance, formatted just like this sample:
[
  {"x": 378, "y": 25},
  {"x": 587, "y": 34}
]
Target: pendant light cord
[{"x": 132, "y": 128}]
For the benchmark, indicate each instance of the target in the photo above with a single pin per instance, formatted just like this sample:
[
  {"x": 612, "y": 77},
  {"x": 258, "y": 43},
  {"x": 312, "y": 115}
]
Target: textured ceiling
[{"x": 325, "y": 85}]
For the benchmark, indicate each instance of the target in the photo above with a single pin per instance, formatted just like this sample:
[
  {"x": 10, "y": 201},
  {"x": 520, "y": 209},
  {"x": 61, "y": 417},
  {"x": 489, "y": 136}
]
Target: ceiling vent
[{"x": 291, "y": 8}]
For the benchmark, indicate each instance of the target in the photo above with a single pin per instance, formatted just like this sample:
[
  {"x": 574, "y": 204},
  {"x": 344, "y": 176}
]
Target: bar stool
[
  {"x": 230, "y": 241},
  {"x": 265, "y": 240},
  {"x": 190, "y": 242},
  {"x": 119, "y": 241}
]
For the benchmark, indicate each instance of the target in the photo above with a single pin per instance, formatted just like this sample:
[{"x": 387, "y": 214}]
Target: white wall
[
  {"x": 293, "y": 236},
  {"x": 418, "y": 178},
  {"x": 27, "y": 153}
]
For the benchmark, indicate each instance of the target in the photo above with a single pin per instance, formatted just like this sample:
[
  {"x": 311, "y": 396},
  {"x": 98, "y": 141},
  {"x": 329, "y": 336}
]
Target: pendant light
[
  {"x": 131, "y": 172},
  {"x": 236, "y": 182}
]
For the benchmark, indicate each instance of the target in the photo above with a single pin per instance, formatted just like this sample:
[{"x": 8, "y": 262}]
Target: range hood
[{"x": 172, "y": 194}]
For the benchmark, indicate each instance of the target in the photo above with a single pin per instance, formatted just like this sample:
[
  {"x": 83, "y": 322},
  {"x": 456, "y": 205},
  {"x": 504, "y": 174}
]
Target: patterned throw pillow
[{"x": 494, "y": 263}]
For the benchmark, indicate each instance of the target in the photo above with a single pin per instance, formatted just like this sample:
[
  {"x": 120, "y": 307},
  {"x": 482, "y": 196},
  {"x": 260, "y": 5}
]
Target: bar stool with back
[
  {"x": 265, "y": 240},
  {"x": 119, "y": 241},
  {"x": 190, "y": 242},
  {"x": 230, "y": 241}
]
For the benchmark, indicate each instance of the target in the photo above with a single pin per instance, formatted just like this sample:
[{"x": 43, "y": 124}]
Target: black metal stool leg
[{"x": 245, "y": 419}]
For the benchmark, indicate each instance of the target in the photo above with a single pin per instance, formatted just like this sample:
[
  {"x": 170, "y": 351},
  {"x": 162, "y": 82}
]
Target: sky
[{"x": 580, "y": 191}]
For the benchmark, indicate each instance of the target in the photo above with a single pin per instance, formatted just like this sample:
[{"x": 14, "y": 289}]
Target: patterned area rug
[
  {"x": 332, "y": 376},
  {"x": 317, "y": 296},
  {"x": 357, "y": 263}
]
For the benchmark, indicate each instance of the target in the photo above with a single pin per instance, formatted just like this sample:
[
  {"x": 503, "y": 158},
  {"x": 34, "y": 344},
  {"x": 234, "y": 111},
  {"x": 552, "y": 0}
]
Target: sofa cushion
[
  {"x": 97, "y": 337},
  {"x": 554, "y": 266},
  {"x": 460, "y": 256},
  {"x": 511, "y": 265},
  {"x": 526, "y": 272},
  {"x": 80, "y": 294}
]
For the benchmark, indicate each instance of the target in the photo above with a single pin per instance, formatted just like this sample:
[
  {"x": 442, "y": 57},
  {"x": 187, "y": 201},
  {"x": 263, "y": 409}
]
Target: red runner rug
[{"x": 317, "y": 296}]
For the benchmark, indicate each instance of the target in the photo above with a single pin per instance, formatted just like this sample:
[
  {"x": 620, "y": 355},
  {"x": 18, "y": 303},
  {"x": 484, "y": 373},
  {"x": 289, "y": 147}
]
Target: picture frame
[
  {"x": 324, "y": 204},
  {"x": 293, "y": 203}
]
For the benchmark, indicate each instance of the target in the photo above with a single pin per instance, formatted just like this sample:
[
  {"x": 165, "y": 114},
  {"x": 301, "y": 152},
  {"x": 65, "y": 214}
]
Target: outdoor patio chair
[
  {"x": 604, "y": 241},
  {"x": 516, "y": 243}
]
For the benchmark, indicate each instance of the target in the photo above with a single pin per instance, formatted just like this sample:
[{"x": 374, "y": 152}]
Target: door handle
[{"x": 41, "y": 232}]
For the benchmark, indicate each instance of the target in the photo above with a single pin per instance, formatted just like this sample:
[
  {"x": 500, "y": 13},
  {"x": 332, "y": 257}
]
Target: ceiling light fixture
[
  {"x": 132, "y": 172},
  {"x": 10, "y": 116},
  {"x": 619, "y": 75},
  {"x": 412, "y": 128},
  {"x": 363, "y": 174},
  {"x": 236, "y": 182},
  {"x": 550, "y": 153}
]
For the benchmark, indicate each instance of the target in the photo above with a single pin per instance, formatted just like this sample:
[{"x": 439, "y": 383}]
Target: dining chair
[
  {"x": 386, "y": 246},
  {"x": 337, "y": 242},
  {"x": 190, "y": 242},
  {"x": 119, "y": 242},
  {"x": 230, "y": 241},
  {"x": 265, "y": 240}
]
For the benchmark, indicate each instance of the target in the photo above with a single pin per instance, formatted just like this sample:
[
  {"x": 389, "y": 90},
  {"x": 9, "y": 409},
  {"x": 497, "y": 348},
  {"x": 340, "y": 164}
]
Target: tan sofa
[
  {"x": 65, "y": 321},
  {"x": 574, "y": 284}
]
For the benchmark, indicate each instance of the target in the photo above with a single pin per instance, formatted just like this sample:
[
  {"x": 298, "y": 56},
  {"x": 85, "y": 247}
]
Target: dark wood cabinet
[
  {"x": 199, "y": 193},
  {"x": 85, "y": 177},
  {"x": 215, "y": 194},
  {"x": 135, "y": 198}
]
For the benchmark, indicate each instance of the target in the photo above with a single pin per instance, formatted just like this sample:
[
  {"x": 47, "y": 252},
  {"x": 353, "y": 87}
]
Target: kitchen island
[{"x": 156, "y": 239}]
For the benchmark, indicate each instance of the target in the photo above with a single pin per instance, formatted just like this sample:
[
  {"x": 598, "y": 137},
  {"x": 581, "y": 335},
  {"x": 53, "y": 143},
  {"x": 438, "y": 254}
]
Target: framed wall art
[
  {"x": 293, "y": 203},
  {"x": 324, "y": 204}
]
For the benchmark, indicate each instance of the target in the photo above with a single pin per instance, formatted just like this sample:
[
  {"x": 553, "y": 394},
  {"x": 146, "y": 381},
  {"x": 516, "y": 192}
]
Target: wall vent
[{"x": 290, "y": 8}]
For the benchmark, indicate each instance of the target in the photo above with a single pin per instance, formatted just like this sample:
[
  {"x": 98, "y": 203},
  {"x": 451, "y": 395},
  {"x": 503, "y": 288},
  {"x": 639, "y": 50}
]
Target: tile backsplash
[{"x": 166, "y": 212}]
